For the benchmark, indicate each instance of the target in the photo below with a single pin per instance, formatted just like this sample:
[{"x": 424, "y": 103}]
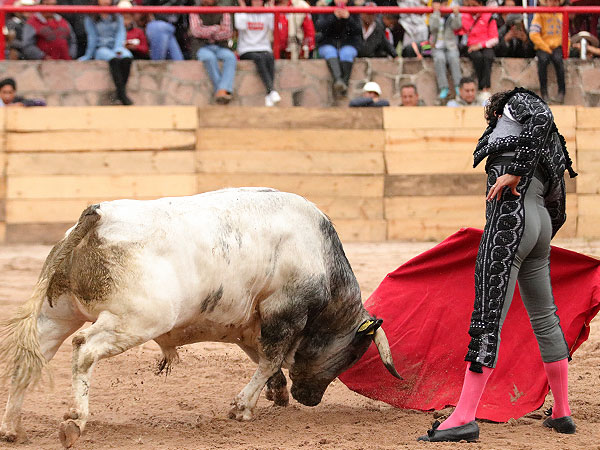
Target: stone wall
[{"x": 300, "y": 83}]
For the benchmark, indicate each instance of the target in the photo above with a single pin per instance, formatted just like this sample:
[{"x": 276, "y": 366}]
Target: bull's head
[{"x": 321, "y": 357}]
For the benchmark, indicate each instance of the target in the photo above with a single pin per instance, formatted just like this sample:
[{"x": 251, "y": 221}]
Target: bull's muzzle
[{"x": 307, "y": 395}]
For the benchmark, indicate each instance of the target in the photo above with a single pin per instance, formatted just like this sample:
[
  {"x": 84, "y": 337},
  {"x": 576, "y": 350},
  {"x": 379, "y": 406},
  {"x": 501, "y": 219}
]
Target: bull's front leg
[
  {"x": 277, "y": 390},
  {"x": 242, "y": 406}
]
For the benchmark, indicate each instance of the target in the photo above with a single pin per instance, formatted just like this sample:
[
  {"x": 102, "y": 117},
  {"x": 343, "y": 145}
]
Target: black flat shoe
[
  {"x": 468, "y": 432},
  {"x": 562, "y": 424}
]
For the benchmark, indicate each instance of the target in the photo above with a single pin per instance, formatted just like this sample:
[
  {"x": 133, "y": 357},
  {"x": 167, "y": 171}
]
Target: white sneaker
[
  {"x": 275, "y": 97},
  {"x": 268, "y": 101}
]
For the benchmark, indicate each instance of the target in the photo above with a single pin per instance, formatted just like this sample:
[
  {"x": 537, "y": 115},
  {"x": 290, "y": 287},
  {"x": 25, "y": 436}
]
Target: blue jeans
[
  {"x": 210, "y": 55},
  {"x": 161, "y": 37},
  {"x": 106, "y": 54},
  {"x": 346, "y": 53}
]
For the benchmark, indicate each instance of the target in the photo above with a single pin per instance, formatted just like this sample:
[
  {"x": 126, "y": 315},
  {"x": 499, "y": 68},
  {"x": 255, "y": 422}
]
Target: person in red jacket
[
  {"x": 296, "y": 31},
  {"x": 48, "y": 36},
  {"x": 481, "y": 32},
  {"x": 135, "y": 41}
]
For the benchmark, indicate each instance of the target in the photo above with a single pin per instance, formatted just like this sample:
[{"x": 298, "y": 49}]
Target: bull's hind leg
[
  {"x": 108, "y": 336},
  {"x": 54, "y": 325}
]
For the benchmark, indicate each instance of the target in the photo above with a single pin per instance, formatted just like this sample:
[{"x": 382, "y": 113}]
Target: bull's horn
[{"x": 385, "y": 353}]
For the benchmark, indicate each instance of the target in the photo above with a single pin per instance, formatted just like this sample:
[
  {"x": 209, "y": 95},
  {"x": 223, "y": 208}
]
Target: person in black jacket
[
  {"x": 338, "y": 41},
  {"x": 513, "y": 41},
  {"x": 374, "y": 42}
]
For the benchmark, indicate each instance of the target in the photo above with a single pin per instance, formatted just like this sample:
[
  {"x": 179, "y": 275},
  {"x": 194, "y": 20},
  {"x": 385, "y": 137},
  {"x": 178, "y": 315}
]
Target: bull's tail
[{"x": 21, "y": 358}]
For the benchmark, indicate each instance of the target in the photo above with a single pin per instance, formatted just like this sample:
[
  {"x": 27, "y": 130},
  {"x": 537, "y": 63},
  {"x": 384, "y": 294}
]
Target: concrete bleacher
[
  {"x": 380, "y": 174},
  {"x": 300, "y": 83}
]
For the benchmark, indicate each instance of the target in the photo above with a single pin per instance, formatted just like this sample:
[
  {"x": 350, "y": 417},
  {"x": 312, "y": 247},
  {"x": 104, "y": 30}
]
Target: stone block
[
  {"x": 55, "y": 75},
  {"x": 148, "y": 82},
  {"x": 412, "y": 66},
  {"x": 427, "y": 88},
  {"x": 290, "y": 76},
  {"x": 93, "y": 79},
  {"x": 186, "y": 70},
  {"x": 513, "y": 67},
  {"x": 250, "y": 85},
  {"x": 185, "y": 94},
  {"x": 29, "y": 78},
  {"x": 316, "y": 68},
  {"x": 359, "y": 70},
  {"x": 590, "y": 78},
  {"x": 74, "y": 98},
  {"x": 529, "y": 77},
  {"x": 312, "y": 98},
  {"x": 386, "y": 83},
  {"x": 385, "y": 65}
]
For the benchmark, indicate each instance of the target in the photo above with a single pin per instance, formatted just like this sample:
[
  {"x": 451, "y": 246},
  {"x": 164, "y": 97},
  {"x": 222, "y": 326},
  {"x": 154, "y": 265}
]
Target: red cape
[{"x": 426, "y": 307}]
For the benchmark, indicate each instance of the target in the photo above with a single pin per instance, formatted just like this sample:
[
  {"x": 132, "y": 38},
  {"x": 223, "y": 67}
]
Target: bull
[{"x": 256, "y": 267}]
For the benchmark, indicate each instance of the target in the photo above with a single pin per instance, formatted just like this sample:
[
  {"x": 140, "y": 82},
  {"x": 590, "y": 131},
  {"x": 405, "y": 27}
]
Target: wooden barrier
[{"x": 391, "y": 173}]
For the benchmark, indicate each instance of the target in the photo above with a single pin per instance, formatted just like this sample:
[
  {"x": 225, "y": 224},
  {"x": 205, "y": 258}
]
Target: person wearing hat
[
  {"x": 370, "y": 97},
  {"x": 546, "y": 34}
]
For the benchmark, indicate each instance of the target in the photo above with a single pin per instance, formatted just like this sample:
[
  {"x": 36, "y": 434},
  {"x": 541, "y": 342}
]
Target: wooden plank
[
  {"x": 60, "y": 141},
  {"x": 292, "y": 162},
  {"x": 587, "y": 117},
  {"x": 462, "y": 211},
  {"x": 588, "y": 183},
  {"x": 100, "y": 186},
  {"x": 46, "y": 211},
  {"x": 3, "y": 209},
  {"x": 36, "y": 233},
  {"x": 2, "y": 233},
  {"x": 344, "y": 208},
  {"x": 290, "y": 140},
  {"x": 587, "y": 140},
  {"x": 569, "y": 229},
  {"x": 449, "y": 184},
  {"x": 407, "y": 161},
  {"x": 423, "y": 139},
  {"x": 361, "y": 230},
  {"x": 588, "y": 224},
  {"x": 565, "y": 118},
  {"x": 99, "y": 163},
  {"x": 293, "y": 118},
  {"x": 103, "y": 118},
  {"x": 305, "y": 185},
  {"x": 433, "y": 117}
]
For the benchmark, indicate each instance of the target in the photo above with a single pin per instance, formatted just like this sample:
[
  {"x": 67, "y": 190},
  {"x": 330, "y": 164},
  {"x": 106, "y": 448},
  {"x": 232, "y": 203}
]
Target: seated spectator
[
  {"x": 592, "y": 49},
  {"x": 15, "y": 23},
  {"x": 481, "y": 32},
  {"x": 106, "y": 42},
  {"x": 512, "y": 36},
  {"x": 410, "y": 96},
  {"x": 8, "y": 95},
  {"x": 296, "y": 31},
  {"x": 370, "y": 97},
  {"x": 445, "y": 47},
  {"x": 162, "y": 31},
  {"x": 254, "y": 43},
  {"x": 374, "y": 41},
  {"x": 48, "y": 36},
  {"x": 76, "y": 22},
  {"x": 135, "y": 39},
  {"x": 393, "y": 30},
  {"x": 212, "y": 33},
  {"x": 415, "y": 28},
  {"x": 467, "y": 94},
  {"x": 338, "y": 40},
  {"x": 546, "y": 34}
]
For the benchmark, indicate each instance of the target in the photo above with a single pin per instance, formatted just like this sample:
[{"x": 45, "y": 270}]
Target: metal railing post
[
  {"x": 2, "y": 35},
  {"x": 276, "y": 43},
  {"x": 565, "y": 35}
]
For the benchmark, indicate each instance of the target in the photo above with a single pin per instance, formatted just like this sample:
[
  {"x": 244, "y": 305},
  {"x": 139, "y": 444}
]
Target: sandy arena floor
[{"x": 131, "y": 408}]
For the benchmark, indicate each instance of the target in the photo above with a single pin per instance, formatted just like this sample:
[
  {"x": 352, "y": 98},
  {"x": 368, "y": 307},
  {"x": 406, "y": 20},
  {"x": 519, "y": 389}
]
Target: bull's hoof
[
  {"x": 279, "y": 397},
  {"x": 68, "y": 433},
  {"x": 240, "y": 412},
  {"x": 71, "y": 414},
  {"x": 8, "y": 436}
]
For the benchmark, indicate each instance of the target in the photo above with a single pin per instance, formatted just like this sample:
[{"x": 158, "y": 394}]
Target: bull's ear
[{"x": 368, "y": 327}]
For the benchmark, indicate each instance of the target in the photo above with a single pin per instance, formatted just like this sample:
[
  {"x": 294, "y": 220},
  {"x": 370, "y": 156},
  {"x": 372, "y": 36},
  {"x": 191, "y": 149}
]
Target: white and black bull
[{"x": 256, "y": 267}]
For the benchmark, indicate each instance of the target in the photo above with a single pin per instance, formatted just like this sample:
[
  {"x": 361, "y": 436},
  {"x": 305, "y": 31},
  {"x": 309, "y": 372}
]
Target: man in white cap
[{"x": 370, "y": 97}]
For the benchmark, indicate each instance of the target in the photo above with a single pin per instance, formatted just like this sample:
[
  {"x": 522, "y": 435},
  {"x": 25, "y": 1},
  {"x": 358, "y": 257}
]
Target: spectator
[
  {"x": 409, "y": 95},
  {"x": 374, "y": 43},
  {"x": 592, "y": 48},
  {"x": 213, "y": 33},
  {"x": 338, "y": 40},
  {"x": 371, "y": 96},
  {"x": 393, "y": 30},
  {"x": 162, "y": 32},
  {"x": 254, "y": 43},
  {"x": 415, "y": 28},
  {"x": 445, "y": 47},
  {"x": 135, "y": 39},
  {"x": 481, "y": 31},
  {"x": 15, "y": 23},
  {"x": 546, "y": 34},
  {"x": 48, "y": 36},
  {"x": 467, "y": 94},
  {"x": 296, "y": 31},
  {"x": 513, "y": 39},
  {"x": 8, "y": 95},
  {"x": 106, "y": 42}
]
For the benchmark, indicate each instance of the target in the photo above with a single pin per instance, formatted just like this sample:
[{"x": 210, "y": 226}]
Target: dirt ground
[{"x": 131, "y": 408}]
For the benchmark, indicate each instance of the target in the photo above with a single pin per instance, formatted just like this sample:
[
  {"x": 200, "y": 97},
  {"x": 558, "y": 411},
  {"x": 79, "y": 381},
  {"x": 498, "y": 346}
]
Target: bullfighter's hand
[{"x": 501, "y": 182}]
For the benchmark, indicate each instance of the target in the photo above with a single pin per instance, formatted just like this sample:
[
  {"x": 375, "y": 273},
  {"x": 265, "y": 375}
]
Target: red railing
[{"x": 564, "y": 10}]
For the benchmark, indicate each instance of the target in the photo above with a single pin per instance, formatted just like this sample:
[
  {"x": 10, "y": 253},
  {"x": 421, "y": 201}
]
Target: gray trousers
[
  {"x": 531, "y": 267},
  {"x": 451, "y": 57}
]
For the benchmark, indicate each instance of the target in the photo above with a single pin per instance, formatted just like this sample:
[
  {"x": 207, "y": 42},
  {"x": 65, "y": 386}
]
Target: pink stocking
[
  {"x": 557, "y": 373},
  {"x": 472, "y": 389}
]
